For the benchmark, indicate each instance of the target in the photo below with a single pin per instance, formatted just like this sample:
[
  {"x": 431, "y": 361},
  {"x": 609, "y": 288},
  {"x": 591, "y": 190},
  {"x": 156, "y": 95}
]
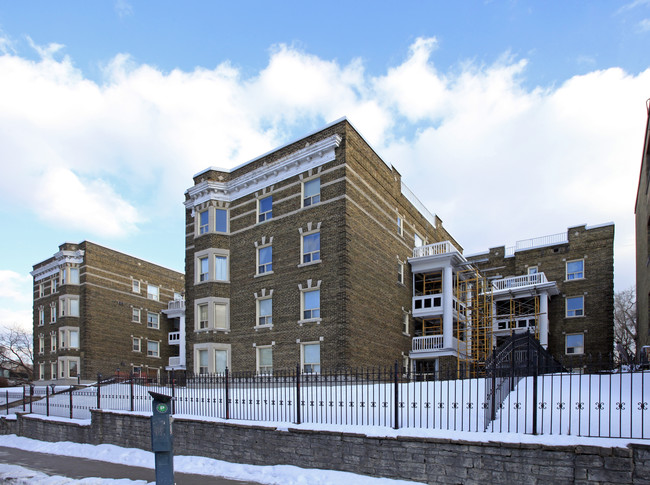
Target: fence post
[
  {"x": 99, "y": 391},
  {"x": 24, "y": 397},
  {"x": 47, "y": 400},
  {"x": 227, "y": 396},
  {"x": 71, "y": 402},
  {"x": 31, "y": 397},
  {"x": 173, "y": 394},
  {"x": 396, "y": 399},
  {"x": 298, "y": 394},
  {"x": 7, "y": 400},
  {"x": 535, "y": 381},
  {"x": 131, "y": 392}
]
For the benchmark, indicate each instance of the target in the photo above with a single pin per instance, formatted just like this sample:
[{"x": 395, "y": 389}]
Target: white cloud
[
  {"x": 496, "y": 160},
  {"x": 644, "y": 25},
  {"x": 15, "y": 299},
  {"x": 123, "y": 8}
]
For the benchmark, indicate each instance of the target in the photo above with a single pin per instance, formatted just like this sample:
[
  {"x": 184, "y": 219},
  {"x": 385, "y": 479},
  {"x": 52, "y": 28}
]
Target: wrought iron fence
[{"x": 577, "y": 397}]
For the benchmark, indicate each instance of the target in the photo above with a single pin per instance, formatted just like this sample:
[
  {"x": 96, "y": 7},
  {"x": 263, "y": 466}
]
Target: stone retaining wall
[{"x": 434, "y": 461}]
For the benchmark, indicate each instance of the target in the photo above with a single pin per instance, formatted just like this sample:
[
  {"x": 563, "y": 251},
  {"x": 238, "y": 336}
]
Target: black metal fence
[{"x": 576, "y": 397}]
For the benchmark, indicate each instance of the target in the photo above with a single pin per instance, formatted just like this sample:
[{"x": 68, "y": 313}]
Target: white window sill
[
  {"x": 310, "y": 320},
  {"x": 575, "y": 279},
  {"x": 213, "y": 330},
  {"x": 311, "y": 263},
  {"x": 575, "y": 316},
  {"x": 260, "y": 327},
  {"x": 211, "y": 281},
  {"x": 259, "y": 275}
]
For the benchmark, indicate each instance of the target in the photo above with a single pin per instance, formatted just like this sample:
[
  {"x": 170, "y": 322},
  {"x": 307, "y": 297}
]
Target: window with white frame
[
  {"x": 311, "y": 304},
  {"x": 204, "y": 268},
  {"x": 153, "y": 349},
  {"x": 41, "y": 372},
  {"x": 532, "y": 270},
  {"x": 74, "y": 276},
  {"x": 54, "y": 287},
  {"x": 69, "y": 275},
  {"x": 575, "y": 343},
  {"x": 53, "y": 342},
  {"x": 212, "y": 265},
  {"x": 41, "y": 344},
  {"x": 406, "y": 323},
  {"x": 153, "y": 320},
  {"x": 311, "y": 248},
  {"x": 211, "y": 219},
  {"x": 221, "y": 220},
  {"x": 137, "y": 344},
  {"x": 265, "y": 209},
  {"x": 417, "y": 241},
  {"x": 575, "y": 270},
  {"x": 211, "y": 358},
  {"x": 54, "y": 370},
  {"x": 41, "y": 290},
  {"x": 400, "y": 226},
  {"x": 220, "y": 267},
  {"x": 153, "y": 292},
  {"x": 69, "y": 306},
  {"x": 311, "y": 192},
  {"x": 53, "y": 312},
  {"x": 68, "y": 338},
  {"x": 204, "y": 221},
  {"x": 264, "y": 259},
  {"x": 575, "y": 306},
  {"x": 264, "y": 312},
  {"x": 310, "y": 357},
  {"x": 41, "y": 316},
  {"x": 135, "y": 315},
  {"x": 68, "y": 367},
  {"x": 211, "y": 313},
  {"x": 400, "y": 272},
  {"x": 135, "y": 286},
  {"x": 264, "y": 359}
]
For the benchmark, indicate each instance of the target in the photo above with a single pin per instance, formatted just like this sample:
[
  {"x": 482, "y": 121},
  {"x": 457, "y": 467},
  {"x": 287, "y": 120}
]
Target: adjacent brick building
[
  {"x": 642, "y": 222},
  {"x": 100, "y": 311},
  {"x": 300, "y": 256}
]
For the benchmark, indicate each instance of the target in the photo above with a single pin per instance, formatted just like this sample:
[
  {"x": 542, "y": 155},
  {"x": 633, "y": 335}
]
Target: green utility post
[{"x": 161, "y": 438}]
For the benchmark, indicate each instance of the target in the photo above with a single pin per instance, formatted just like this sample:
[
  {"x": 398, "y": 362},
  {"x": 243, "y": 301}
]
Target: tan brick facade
[{"x": 96, "y": 333}]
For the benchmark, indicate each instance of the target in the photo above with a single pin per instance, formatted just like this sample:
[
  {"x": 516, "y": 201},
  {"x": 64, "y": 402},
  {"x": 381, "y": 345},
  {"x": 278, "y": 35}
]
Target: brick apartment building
[
  {"x": 99, "y": 311},
  {"x": 300, "y": 256},
  {"x": 642, "y": 224}
]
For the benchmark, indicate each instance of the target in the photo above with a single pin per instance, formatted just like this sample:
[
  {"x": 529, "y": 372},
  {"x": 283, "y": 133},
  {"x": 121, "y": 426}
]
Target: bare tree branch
[
  {"x": 17, "y": 352},
  {"x": 625, "y": 325}
]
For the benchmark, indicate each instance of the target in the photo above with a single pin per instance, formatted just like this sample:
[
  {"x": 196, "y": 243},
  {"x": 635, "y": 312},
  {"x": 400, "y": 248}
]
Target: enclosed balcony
[{"x": 174, "y": 338}]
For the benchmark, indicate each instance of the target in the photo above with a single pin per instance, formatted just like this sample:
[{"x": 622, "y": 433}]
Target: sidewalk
[{"x": 73, "y": 467}]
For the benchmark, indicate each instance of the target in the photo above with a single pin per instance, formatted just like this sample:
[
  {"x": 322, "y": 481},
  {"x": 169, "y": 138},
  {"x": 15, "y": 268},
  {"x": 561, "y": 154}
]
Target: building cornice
[
  {"x": 60, "y": 259},
  {"x": 309, "y": 157}
]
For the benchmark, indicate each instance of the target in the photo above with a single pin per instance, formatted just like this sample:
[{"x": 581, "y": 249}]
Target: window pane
[
  {"x": 203, "y": 316},
  {"x": 74, "y": 339},
  {"x": 266, "y": 208},
  {"x": 221, "y": 268},
  {"x": 221, "y": 220},
  {"x": 312, "y": 188},
  {"x": 203, "y": 276},
  {"x": 152, "y": 292},
  {"x": 266, "y": 255},
  {"x": 74, "y": 307},
  {"x": 574, "y": 269},
  {"x": 418, "y": 241},
  {"x": 74, "y": 276},
  {"x": 74, "y": 370},
  {"x": 203, "y": 358},
  {"x": 266, "y": 306},
  {"x": 312, "y": 243},
  {"x": 311, "y": 354},
  {"x": 312, "y": 299},
  {"x": 221, "y": 360},
  {"x": 220, "y": 313},
  {"x": 574, "y": 340},
  {"x": 266, "y": 356},
  {"x": 203, "y": 222}
]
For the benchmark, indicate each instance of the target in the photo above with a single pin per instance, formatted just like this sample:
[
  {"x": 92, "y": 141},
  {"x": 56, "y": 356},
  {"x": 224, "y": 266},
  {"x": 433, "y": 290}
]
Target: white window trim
[
  {"x": 135, "y": 286},
  {"x": 309, "y": 231},
  {"x": 302, "y": 192},
  {"x": 151, "y": 356},
  {"x": 406, "y": 323},
  {"x": 566, "y": 348},
  {"x": 53, "y": 341},
  {"x": 258, "y": 314},
  {"x": 566, "y": 270},
  {"x": 139, "y": 341},
  {"x": 41, "y": 372},
  {"x": 41, "y": 344},
  {"x": 211, "y": 255},
  {"x": 258, "y": 348},
  {"x": 41, "y": 290},
  {"x": 401, "y": 269},
  {"x": 259, "y": 205},
  {"x": 302, "y": 356},
  {"x": 211, "y": 348},
  {"x": 139, "y": 315},
  {"x": 150, "y": 325},
  {"x": 41, "y": 316},
  {"x": 531, "y": 268},
  {"x": 212, "y": 220},
  {"x": 64, "y": 343},
  {"x": 257, "y": 259},
  {"x": 400, "y": 225},
  {"x": 53, "y": 312},
  {"x": 153, "y": 296},
  {"x": 64, "y": 305},
  {"x": 308, "y": 289},
  {"x": 566, "y": 306},
  {"x": 211, "y": 302},
  {"x": 63, "y": 364},
  {"x": 54, "y": 373}
]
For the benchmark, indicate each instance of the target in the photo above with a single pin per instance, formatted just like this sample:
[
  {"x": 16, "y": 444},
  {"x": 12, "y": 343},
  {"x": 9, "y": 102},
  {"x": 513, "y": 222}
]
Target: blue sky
[{"x": 509, "y": 120}]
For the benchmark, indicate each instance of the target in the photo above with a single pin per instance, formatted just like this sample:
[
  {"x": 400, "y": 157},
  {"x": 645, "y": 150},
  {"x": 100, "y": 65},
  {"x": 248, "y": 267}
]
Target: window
[
  {"x": 211, "y": 313},
  {"x": 265, "y": 209},
  {"x": 265, "y": 260},
  {"x": 417, "y": 241},
  {"x": 152, "y": 292},
  {"x": 41, "y": 290},
  {"x": 204, "y": 221},
  {"x": 221, "y": 268},
  {"x": 153, "y": 349},
  {"x": 203, "y": 269},
  {"x": 54, "y": 289},
  {"x": 135, "y": 286},
  {"x": 407, "y": 321},
  {"x": 575, "y": 343},
  {"x": 311, "y": 248},
  {"x": 575, "y": 270},
  {"x": 69, "y": 276},
  {"x": 400, "y": 226},
  {"x": 53, "y": 371},
  {"x": 220, "y": 361},
  {"x": 53, "y": 342},
  {"x": 68, "y": 338},
  {"x": 265, "y": 360},
  {"x": 221, "y": 220},
  {"x": 264, "y": 311},
  {"x": 311, "y": 304},
  {"x": 74, "y": 339},
  {"x": 41, "y": 372},
  {"x": 311, "y": 192},
  {"x": 210, "y": 358},
  {"x": 41, "y": 344},
  {"x": 68, "y": 367},
  {"x": 400, "y": 272},
  {"x": 73, "y": 368},
  {"x": 135, "y": 315},
  {"x": 74, "y": 276},
  {"x": 153, "y": 320},
  {"x": 137, "y": 344},
  {"x": 575, "y": 306},
  {"x": 202, "y": 358},
  {"x": 41, "y": 316},
  {"x": 52, "y": 312},
  {"x": 203, "y": 316},
  {"x": 69, "y": 306},
  {"x": 310, "y": 357},
  {"x": 532, "y": 270}
]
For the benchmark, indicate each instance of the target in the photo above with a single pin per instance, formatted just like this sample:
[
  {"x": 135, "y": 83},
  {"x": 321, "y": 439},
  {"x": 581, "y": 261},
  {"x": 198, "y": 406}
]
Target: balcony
[
  {"x": 176, "y": 305},
  {"x": 174, "y": 338},
  {"x": 427, "y": 344},
  {"x": 175, "y": 362},
  {"x": 435, "y": 249},
  {"x": 427, "y": 305},
  {"x": 519, "y": 282}
]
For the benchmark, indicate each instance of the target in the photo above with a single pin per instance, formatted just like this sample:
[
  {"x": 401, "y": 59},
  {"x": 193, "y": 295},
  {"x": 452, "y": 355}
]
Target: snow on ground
[
  {"x": 272, "y": 475},
  {"x": 18, "y": 475}
]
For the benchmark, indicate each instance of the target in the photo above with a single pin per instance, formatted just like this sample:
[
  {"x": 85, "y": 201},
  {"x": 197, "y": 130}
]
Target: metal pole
[
  {"x": 31, "y": 397},
  {"x": 173, "y": 393},
  {"x": 227, "y": 397},
  {"x": 131, "y": 391},
  {"x": 99, "y": 391},
  {"x": 7, "y": 400},
  {"x": 298, "y": 394},
  {"x": 396, "y": 399},
  {"x": 47, "y": 401},
  {"x": 70, "y": 403}
]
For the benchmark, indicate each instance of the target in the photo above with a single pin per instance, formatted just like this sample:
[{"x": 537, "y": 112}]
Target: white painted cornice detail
[
  {"x": 60, "y": 259},
  {"x": 307, "y": 158}
]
